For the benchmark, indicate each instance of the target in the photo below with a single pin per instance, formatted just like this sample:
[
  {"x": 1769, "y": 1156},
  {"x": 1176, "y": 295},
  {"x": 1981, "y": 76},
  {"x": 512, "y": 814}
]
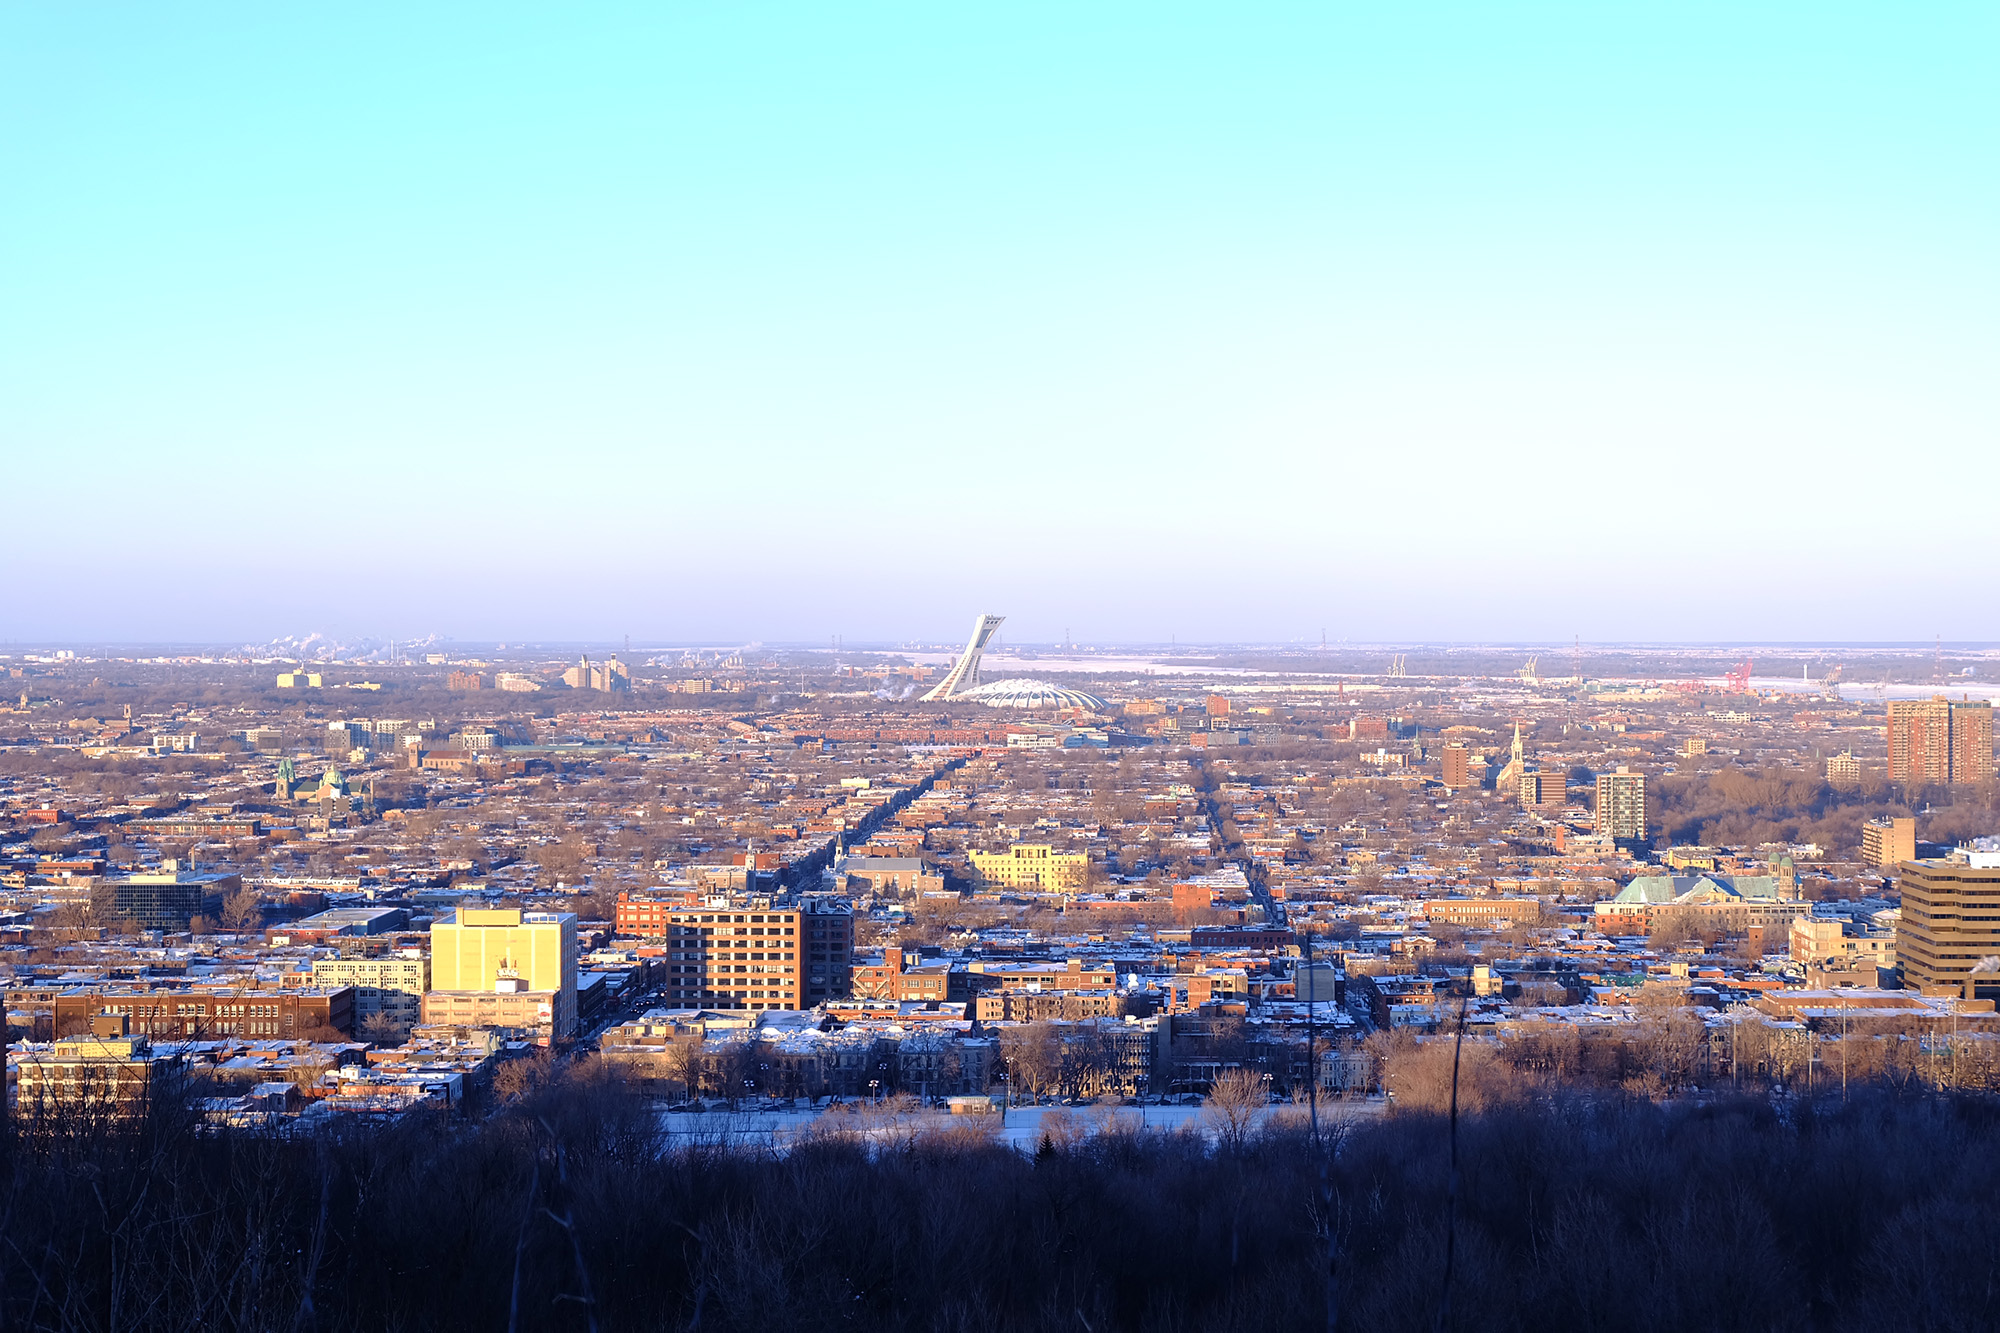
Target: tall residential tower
[{"x": 1936, "y": 741}]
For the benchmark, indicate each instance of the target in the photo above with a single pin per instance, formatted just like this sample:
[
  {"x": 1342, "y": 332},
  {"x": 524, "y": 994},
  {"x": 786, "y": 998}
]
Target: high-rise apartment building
[
  {"x": 1920, "y": 740},
  {"x": 1950, "y": 926},
  {"x": 495, "y": 949},
  {"x": 1972, "y": 741},
  {"x": 750, "y": 955},
  {"x": 1887, "y": 842},
  {"x": 1843, "y": 770},
  {"x": 1936, "y": 741},
  {"x": 1457, "y": 766},
  {"x": 1621, "y": 804}
]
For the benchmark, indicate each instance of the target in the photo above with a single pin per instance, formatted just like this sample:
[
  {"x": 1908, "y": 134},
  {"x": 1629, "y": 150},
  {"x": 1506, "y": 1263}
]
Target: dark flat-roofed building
[{"x": 171, "y": 897}]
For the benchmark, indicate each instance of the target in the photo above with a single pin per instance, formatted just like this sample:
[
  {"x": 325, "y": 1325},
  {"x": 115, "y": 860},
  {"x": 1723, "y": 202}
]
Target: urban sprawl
[{"x": 358, "y": 887}]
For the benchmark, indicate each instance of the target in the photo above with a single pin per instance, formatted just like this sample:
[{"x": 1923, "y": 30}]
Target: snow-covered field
[{"x": 1021, "y": 1127}]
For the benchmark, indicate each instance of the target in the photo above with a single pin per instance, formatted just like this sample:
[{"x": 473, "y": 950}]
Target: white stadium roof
[{"x": 1030, "y": 694}]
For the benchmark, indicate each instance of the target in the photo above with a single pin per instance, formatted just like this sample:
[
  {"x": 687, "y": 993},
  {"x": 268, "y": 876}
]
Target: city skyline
[{"x": 1211, "y": 327}]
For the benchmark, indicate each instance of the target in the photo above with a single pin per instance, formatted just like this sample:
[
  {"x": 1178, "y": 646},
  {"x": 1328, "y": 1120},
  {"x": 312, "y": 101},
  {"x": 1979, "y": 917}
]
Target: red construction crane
[{"x": 1739, "y": 679}]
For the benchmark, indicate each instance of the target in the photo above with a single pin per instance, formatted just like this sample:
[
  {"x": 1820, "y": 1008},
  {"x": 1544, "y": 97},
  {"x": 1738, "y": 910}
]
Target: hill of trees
[{"x": 566, "y": 1211}]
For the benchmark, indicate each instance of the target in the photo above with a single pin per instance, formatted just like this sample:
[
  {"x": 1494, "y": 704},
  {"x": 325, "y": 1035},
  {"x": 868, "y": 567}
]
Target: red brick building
[{"x": 193, "y": 1015}]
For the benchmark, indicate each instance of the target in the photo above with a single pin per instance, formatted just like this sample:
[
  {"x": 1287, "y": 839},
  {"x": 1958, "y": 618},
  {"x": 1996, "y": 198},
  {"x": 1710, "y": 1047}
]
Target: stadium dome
[{"x": 1031, "y": 694}]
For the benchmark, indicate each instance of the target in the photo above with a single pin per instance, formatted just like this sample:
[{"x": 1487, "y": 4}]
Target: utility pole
[
  {"x": 1954, "y": 1041},
  {"x": 1322, "y": 1159}
]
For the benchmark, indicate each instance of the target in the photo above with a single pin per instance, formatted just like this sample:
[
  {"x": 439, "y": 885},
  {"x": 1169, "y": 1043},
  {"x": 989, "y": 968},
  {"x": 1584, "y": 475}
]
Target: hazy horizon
[
  {"x": 950, "y": 646},
  {"x": 1458, "y": 323}
]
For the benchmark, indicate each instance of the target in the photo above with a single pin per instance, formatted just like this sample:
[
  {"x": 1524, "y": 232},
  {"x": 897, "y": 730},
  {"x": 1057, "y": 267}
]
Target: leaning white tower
[{"x": 964, "y": 675}]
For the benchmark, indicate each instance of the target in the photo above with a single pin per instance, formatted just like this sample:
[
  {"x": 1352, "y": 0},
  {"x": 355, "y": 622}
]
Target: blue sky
[{"x": 776, "y": 321}]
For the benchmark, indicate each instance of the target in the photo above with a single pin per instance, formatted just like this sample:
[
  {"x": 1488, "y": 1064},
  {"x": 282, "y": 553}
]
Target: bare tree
[
  {"x": 242, "y": 911},
  {"x": 1232, "y": 1105},
  {"x": 683, "y": 1060},
  {"x": 1034, "y": 1058}
]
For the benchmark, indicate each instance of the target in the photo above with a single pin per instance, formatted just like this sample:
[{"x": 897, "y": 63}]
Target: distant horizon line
[{"x": 116, "y": 647}]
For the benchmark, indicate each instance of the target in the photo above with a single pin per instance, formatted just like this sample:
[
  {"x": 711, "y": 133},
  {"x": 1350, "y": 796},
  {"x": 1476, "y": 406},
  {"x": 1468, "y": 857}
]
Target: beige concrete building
[
  {"x": 530, "y": 1014},
  {"x": 1887, "y": 842},
  {"x": 1833, "y": 945},
  {"x": 1950, "y": 933},
  {"x": 393, "y": 986},
  {"x": 116, "y": 1078}
]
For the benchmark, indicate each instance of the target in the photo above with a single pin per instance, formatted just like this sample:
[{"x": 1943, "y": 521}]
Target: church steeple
[{"x": 1519, "y": 756}]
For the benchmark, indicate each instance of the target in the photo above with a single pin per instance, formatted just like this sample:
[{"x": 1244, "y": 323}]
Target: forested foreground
[{"x": 563, "y": 1210}]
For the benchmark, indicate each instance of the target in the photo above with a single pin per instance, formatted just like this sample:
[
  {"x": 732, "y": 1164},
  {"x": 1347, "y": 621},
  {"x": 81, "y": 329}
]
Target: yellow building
[
  {"x": 503, "y": 949},
  {"x": 1035, "y": 865},
  {"x": 292, "y": 680}
]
